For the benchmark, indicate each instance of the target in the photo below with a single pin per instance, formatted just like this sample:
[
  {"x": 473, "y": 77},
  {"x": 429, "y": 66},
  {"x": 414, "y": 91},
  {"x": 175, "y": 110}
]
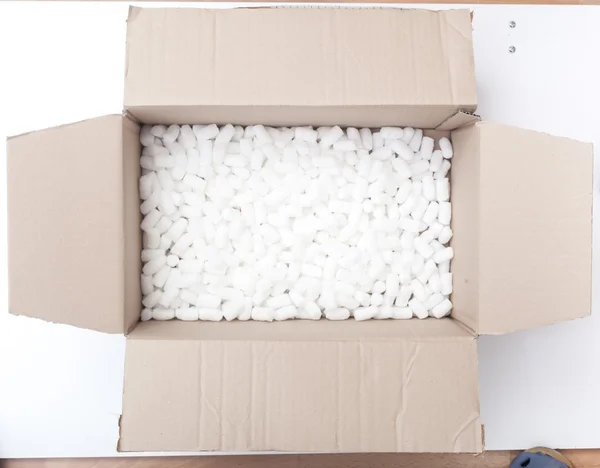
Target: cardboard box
[{"x": 522, "y": 218}]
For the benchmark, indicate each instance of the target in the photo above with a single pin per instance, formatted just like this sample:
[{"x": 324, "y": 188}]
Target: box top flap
[
  {"x": 534, "y": 216},
  {"x": 403, "y": 394},
  {"x": 303, "y": 57},
  {"x": 65, "y": 224}
]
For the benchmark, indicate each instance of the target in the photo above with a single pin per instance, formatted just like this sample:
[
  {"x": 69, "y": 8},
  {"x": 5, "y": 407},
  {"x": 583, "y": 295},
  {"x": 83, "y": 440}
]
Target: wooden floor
[{"x": 580, "y": 458}]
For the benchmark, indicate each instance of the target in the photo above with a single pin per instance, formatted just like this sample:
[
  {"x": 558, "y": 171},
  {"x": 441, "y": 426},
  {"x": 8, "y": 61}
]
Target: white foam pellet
[
  {"x": 163, "y": 314},
  {"x": 232, "y": 309},
  {"x": 146, "y": 284},
  {"x": 285, "y": 313},
  {"x": 364, "y": 313},
  {"x": 401, "y": 313},
  {"x": 428, "y": 270},
  {"x": 423, "y": 247},
  {"x": 379, "y": 287},
  {"x": 206, "y": 300},
  {"x": 428, "y": 186},
  {"x": 443, "y": 171},
  {"x": 160, "y": 277},
  {"x": 376, "y": 299},
  {"x": 445, "y": 235},
  {"x": 263, "y": 314},
  {"x": 366, "y": 138},
  {"x": 331, "y": 136},
  {"x": 391, "y": 133},
  {"x": 407, "y": 134},
  {"x": 446, "y": 148},
  {"x": 427, "y": 145},
  {"x": 443, "y": 255},
  {"x": 446, "y": 283},
  {"x": 363, "y": 298},
  {"x": 188, "y": 314},
  {"x": 146, "y": 314},
  {"x": 415, "y": 142},
  {"x": 339, "y": 313},
  {"x": 209, "y": 314},
  {"x": 418, "y": 308},
  {"x": 445, "y": 213},
  {"x": 442, "y": 188},
  {"x": 442, "y": 309},
  {"x": 152, "y": 299},
  {"x": 309, "y": 311},
  {"x": 434, "y": 283},
  {"x": 418, "y": 290}
]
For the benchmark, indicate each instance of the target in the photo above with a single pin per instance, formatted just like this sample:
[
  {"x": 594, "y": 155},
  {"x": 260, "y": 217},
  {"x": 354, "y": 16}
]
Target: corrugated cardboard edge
[{"x": 460, "y": 119}]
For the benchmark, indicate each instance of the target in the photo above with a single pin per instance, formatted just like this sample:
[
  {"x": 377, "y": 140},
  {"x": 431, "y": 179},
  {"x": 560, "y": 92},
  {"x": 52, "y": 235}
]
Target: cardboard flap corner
[
  {"x": 461, "y": 119},
  {"x": 299, "y": 66},
  {"x": 65, "y": 224},
  {"x": 530, "y": 263}
]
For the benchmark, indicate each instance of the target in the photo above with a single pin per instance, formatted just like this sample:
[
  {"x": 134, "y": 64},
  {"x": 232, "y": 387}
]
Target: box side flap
[
  {"x": 301, "y": 330},
  {"x": 299, "y": 57},
  {"x": 132, "y": 149},
  {"x": 535, "y": 238},
  {"x": 464, "y": 183},
  {"x": 323, "y": 396},
  {"x": 458, "y": 120},
  {"x": 65, "y": 224}
]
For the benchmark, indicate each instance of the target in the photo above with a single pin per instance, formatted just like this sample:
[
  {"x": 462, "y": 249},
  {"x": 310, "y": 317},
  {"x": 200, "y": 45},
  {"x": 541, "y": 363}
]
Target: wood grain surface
[{"x": 580, "y": 458}]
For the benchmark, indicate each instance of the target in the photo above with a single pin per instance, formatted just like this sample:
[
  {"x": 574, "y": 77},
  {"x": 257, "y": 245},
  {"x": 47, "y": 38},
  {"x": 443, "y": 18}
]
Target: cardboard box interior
[{"x": 521, "y": 217}]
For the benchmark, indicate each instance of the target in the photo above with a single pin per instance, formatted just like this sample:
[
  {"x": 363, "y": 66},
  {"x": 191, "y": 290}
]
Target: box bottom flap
[{"x": 412, "y": 392}]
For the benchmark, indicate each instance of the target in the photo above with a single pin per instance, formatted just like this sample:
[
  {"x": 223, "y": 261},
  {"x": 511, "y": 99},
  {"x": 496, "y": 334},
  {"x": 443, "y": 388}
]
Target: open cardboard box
[{"x": 522, "y": 222}]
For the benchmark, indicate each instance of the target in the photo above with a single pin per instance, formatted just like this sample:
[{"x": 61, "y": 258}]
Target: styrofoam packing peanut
[
  {"x": 443, "y": 255},
  {"x": 445, "y": 213},
  {"x": 271, "y": 223},
  {"x": 339, "y": 313},
  {"x": 418, "y": 308},
  {"x": 159, "y": 313},
  {"x": 443, "y": 170}
]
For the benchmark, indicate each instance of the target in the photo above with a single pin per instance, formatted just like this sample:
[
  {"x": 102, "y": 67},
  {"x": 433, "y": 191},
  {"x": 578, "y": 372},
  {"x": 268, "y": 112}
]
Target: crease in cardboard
[
  {"x": 465, "y": 428},
  {"x": 400, "y": 416}
]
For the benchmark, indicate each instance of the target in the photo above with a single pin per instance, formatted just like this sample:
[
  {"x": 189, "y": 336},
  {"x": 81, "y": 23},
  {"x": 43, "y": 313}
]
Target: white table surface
[{"x": 60, "y": 387}]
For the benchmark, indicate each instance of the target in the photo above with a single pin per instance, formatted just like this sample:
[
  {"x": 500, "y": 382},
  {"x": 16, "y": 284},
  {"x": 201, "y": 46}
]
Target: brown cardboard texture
[
  {"x": 522, "y": 224},
  {"x": 71, "y": 259},
  {"x": 522, "y": 221},
  {"x": 284, "y": 66},
  {"x": 406, "y": 386}
]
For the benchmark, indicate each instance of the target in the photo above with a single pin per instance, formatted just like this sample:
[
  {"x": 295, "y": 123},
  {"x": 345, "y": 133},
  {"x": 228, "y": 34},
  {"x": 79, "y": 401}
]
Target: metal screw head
[
  {"x": 512, "y": 49},
  {"x": 512, "y": 24}
]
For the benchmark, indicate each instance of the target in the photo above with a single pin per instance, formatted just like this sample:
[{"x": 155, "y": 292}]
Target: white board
[{"x": 60, "y": 387}]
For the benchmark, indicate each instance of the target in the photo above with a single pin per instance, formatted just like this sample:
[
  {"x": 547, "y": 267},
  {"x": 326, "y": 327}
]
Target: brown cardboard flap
[
  {"x": 65, "y": 224},
  {"x": 522, "y": 204},
  {"x": 404, "y": 394},
  {"x": 282, "y": 59}
]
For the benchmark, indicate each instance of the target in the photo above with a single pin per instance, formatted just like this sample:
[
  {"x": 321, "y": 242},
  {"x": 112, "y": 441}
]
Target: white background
[{"x": 60, "y": 387}]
